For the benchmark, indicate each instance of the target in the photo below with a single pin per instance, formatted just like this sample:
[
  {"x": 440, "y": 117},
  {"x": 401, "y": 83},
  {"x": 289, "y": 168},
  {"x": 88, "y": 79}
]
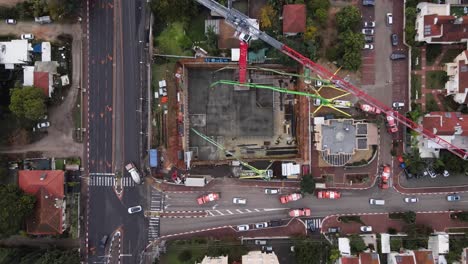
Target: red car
[
  {"x": 290, "y": 197},
  {"x": 299, "y": 212},
  {"x": 328, "y": 195},
  {"x": 370, "y": 109},
  {"x": 392, "y": 126},
  {"x": 208, "y": 198},
  {"x": 385, "y": 177}
]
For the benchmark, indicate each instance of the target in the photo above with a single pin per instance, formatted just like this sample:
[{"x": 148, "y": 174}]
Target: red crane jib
[
  {"x": 336, "y": 80},
  {"x": 243, "y": 61}
]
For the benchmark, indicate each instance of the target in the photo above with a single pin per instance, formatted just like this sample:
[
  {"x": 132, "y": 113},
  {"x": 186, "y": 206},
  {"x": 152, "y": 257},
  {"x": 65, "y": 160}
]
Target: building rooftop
[
  {"x": 446, "y": 123},
  {"x": 258, "y": 257},
  {"x": 349, "y": 260},
  {"x": 423, "y": 257},
  {"x": 369, "y": 258},
  {"x": 294, "y": 18},
  {"x": 14, "y": 52}
]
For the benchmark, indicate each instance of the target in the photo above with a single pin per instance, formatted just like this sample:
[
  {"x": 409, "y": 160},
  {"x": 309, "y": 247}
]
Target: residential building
[
  {"x": 48, "y": 188},
  {"x": 457, "y": 72},
  {"x": 14, "y": 52},
  {"x": 423, "y": 257},
  {"x": 255, "y": 257},
  {"x": 343, "y": 246},
  {"x": 338, "y": 140},
  {"x": 44, "y": 81},
  {"x": 294, "y": 19},
  {"x": 439, "y": 23},
  {"x": 369, "y": 258},
  {"x": 438, "y": 244},
  {"x": 348, "y": 260},
  {"x": 450, "y": 126},
  {"x": 464, "y": 256},
  {"x": 215, "y": 260},
  {"x": 404, "y": 257}
]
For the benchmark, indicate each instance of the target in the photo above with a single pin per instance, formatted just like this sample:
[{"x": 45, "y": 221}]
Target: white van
[
  {"x": 389, "y": 19},
  {"x": 376, "y": 202}
]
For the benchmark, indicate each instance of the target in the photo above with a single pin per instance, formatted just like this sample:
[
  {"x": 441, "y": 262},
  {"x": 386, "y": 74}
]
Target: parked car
[
  {"x": 385, "y": 177},
  {"x": 27, "y": 36},
  {"x": 370, "y": 109},
  {"x": 208, "y": 198},
  {"x": 272, "y": 191},
  {"x": 397, "y": 56},
  {"x": 369, "y": 24},
  {"x": 366, "y": 228},
  {"x": 299, "y": 212},
  {"x": 453, "y": 197},
  {"x": 368, "y": 2},
  {"x": 290, "y": 197},
  {"x": 368, "y": 46},
  {"x": 318, "y": 83},
  {"x": 431, "y": 173},
  {"x": 243, "y": 227},
  {"x": 103, "y": 241},
  {"x": 411, "y": 199},
  {"x": 391, "y": 123},
  {"x": 394, "y": 39},
  {"x": 369, "y": 39},
  {"x": 389, "y": 19},
  {"x": 261, "y": 225},
  {"x": 10, "y": 21},
  {"x": 334, "y": 230},
  {"x": 237, "y": 200},
  {"x": 135, "y": 209},
  {"x": 274, "y": 223},
  {"x": 367, "y": 31},
  {"x": 328, "y": 195},
  {"x": 446, "y": 173},
  {"x": 43, "y": 125},
  {"x": 398, "y": 105}
]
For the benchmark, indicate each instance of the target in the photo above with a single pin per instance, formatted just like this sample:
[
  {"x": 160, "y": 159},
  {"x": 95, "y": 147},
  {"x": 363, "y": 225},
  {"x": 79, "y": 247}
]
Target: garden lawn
[
  {"x": 431, "y": 103},
  {"x": 415, "y": 57},
  {"x": 432, "y": 52},
  {"x": 450, "y": 55},
  {"x": 436, "y": 79},
  {"x": 415, "y": 86}
]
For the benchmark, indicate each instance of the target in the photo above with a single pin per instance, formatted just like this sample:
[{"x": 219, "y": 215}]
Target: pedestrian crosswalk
[
  {"x": 99, "y": 180},
  {"x": 314, "y": 223},
  {"x": 156, "y": 200},
  {"x": 153, "y": 229},
  {"x": 233, "y": 211}
]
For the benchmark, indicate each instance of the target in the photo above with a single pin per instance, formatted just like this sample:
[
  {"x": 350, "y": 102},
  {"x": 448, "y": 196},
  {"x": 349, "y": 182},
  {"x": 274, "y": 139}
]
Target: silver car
[
  {"x": 411, "y": 199},
  {"x": 366, "y": 228},
  {"x": 243, "y": 227},
  {"x": 261, "y": 225},
  {"x": 238, "y": 200},
  {"x": 135, "y": 209}
]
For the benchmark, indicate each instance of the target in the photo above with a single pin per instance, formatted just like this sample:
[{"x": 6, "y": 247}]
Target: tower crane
[
  {"x": 266, "y": 174},
  {"x": 241, "y": 23}
]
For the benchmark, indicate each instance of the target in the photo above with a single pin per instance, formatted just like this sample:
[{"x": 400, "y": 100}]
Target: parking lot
[{"x": 368, "y": 56}]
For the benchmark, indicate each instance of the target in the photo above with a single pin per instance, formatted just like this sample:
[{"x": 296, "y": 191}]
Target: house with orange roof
[
  {"x": 294, "y": 19},
  {"x": 348, "y": 260},
  {"x": 435, "y": 23},
  {"x": 450, "y": 126},
  {"x": 369, "y": 258},
  {"x": 457, "y": 72},
  {"x": 48, "y": 188},
  {"x": 423, "y": 257}
]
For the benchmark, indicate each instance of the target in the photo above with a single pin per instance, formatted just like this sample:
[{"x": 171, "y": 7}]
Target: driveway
[
  {"x": 368, "y": 56},
  {"x": 59, "y": 140}
]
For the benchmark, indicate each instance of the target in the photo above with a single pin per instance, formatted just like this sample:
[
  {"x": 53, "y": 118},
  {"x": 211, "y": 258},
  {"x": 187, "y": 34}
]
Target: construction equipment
[
  {"x": 241, "y": 23},
  {"x": 252, "y": 173}
]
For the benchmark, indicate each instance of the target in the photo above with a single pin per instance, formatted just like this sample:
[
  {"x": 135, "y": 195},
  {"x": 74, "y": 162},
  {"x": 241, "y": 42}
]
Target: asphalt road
[{"x": 267, "y": 207}]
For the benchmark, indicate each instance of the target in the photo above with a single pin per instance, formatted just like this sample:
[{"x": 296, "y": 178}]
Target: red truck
[{"x": 384, "y": 177}]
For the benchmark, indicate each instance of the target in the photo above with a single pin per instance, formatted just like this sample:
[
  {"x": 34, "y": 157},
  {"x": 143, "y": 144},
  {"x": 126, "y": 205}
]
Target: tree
[
  {"x": 310, "y": 33},
  {"x": 173, "y": 40},
  {"x": 318, "y": 4},
  {"x": 267, "y": 13},
  {"x": 321, "y": 16},
  {"x": 348, "y": 18},
  {"x": 350, "y": 47},
  {"x": 169, "y": 11},
  {"x": 334, "y": 255},
  {"x": 461, "y": 216},
  {"x": 409, "y": 217},
  {"x": 56, "y": 256},
  {"x": 357, "y": 244},
  {"x": 417, "y": 236},
  {"x": 15, "y": 205},
  {"x": 28, "y": 102},
  {"x": 307, "y": 184},
  {"x": 308, "y": 252}
]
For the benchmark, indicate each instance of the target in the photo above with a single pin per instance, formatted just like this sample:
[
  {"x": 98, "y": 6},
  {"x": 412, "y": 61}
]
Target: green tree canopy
[
  {"x": 307, "y": 184},
  {"x": 350, "y": 47},
  {"x": 321, "y": 16},
  {"x": 348, "y": 18},
  {"x": 169, "y": 11},
  {"x": 15, "y": 205},
  {"x": 173, "y": 40},
  {"x": 38, "y": 256},
  {"x": 357, "y": 244},
  {"x": 310, "y": 252},
  {"x": 28, "y": 102}
]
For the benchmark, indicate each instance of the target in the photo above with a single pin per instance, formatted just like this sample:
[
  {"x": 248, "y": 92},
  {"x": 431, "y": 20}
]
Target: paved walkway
[{"x": 380, "y": 222}]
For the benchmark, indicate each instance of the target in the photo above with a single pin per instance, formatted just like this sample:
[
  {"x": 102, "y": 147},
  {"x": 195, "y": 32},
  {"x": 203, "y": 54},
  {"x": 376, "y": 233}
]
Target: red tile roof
[
  {"x": 41, "y": 81},
  {"x": 369, "y": 258},
  {"x": 445, "y": 28},
  {"x": 444, "y": 123},
  {"x": 349, "y": 260},
  {"x": 294, "y": 18},
  {"x": 423, "y": 257},
  {"x": 47, "y": 218}
]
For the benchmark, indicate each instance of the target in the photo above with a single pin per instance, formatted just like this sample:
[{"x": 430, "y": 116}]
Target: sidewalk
[{"x": 440, "y": 221}]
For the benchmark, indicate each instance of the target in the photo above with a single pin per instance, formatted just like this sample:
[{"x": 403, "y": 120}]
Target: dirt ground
[
  {"x": 59, "y": 140},
  {"x": 10, "y": 3}
]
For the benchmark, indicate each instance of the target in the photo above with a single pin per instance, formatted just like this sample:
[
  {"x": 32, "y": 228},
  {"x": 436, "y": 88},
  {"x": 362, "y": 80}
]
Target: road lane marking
[
  {"x": 248, "y": 210},
  {"x": 229, "y": 212},
  {"x": 239, "y": 211},
  {"x": 219, "y": 212},
  {"x": 257, "y": 210}
]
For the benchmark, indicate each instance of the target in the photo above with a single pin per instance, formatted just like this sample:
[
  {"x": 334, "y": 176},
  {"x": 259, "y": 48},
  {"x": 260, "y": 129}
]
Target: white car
[
  {"x": 27, "y": 36},
  {"x": 366, "y": 228},
  {"x": 43, "y": 125},
  {"x": 411, "y": 199},
  {"x": 367, "y": 31},
  {"x": 446, "y": 173},
  {"x": 135, "y": 209},
  {"x": 368, "y": 46},
  {"x": 272, "y": 191},
  {"x": 261, "y": 225},
  {"x": 243, "y": 227},
  {"x": 10, "y": 21},
  {"x": 369, "y": 24},
  {"x": 237, "y": 200}
]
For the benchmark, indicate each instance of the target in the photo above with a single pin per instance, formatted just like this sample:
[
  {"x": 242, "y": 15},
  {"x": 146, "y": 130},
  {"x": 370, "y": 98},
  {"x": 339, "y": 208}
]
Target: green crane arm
[{"x": 274, "y": 88}]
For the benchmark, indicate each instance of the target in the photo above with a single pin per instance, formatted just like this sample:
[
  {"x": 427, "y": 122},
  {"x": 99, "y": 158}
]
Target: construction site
[{"x": 246, "y": 122}]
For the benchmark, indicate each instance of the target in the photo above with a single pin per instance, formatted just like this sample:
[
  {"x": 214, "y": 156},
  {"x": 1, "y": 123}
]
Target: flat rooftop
[{"x": 339, "y": 137}]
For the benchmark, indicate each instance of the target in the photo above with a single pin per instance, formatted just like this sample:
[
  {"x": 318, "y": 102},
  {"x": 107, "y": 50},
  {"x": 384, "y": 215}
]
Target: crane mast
[{"x": 241, "y": 23}]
